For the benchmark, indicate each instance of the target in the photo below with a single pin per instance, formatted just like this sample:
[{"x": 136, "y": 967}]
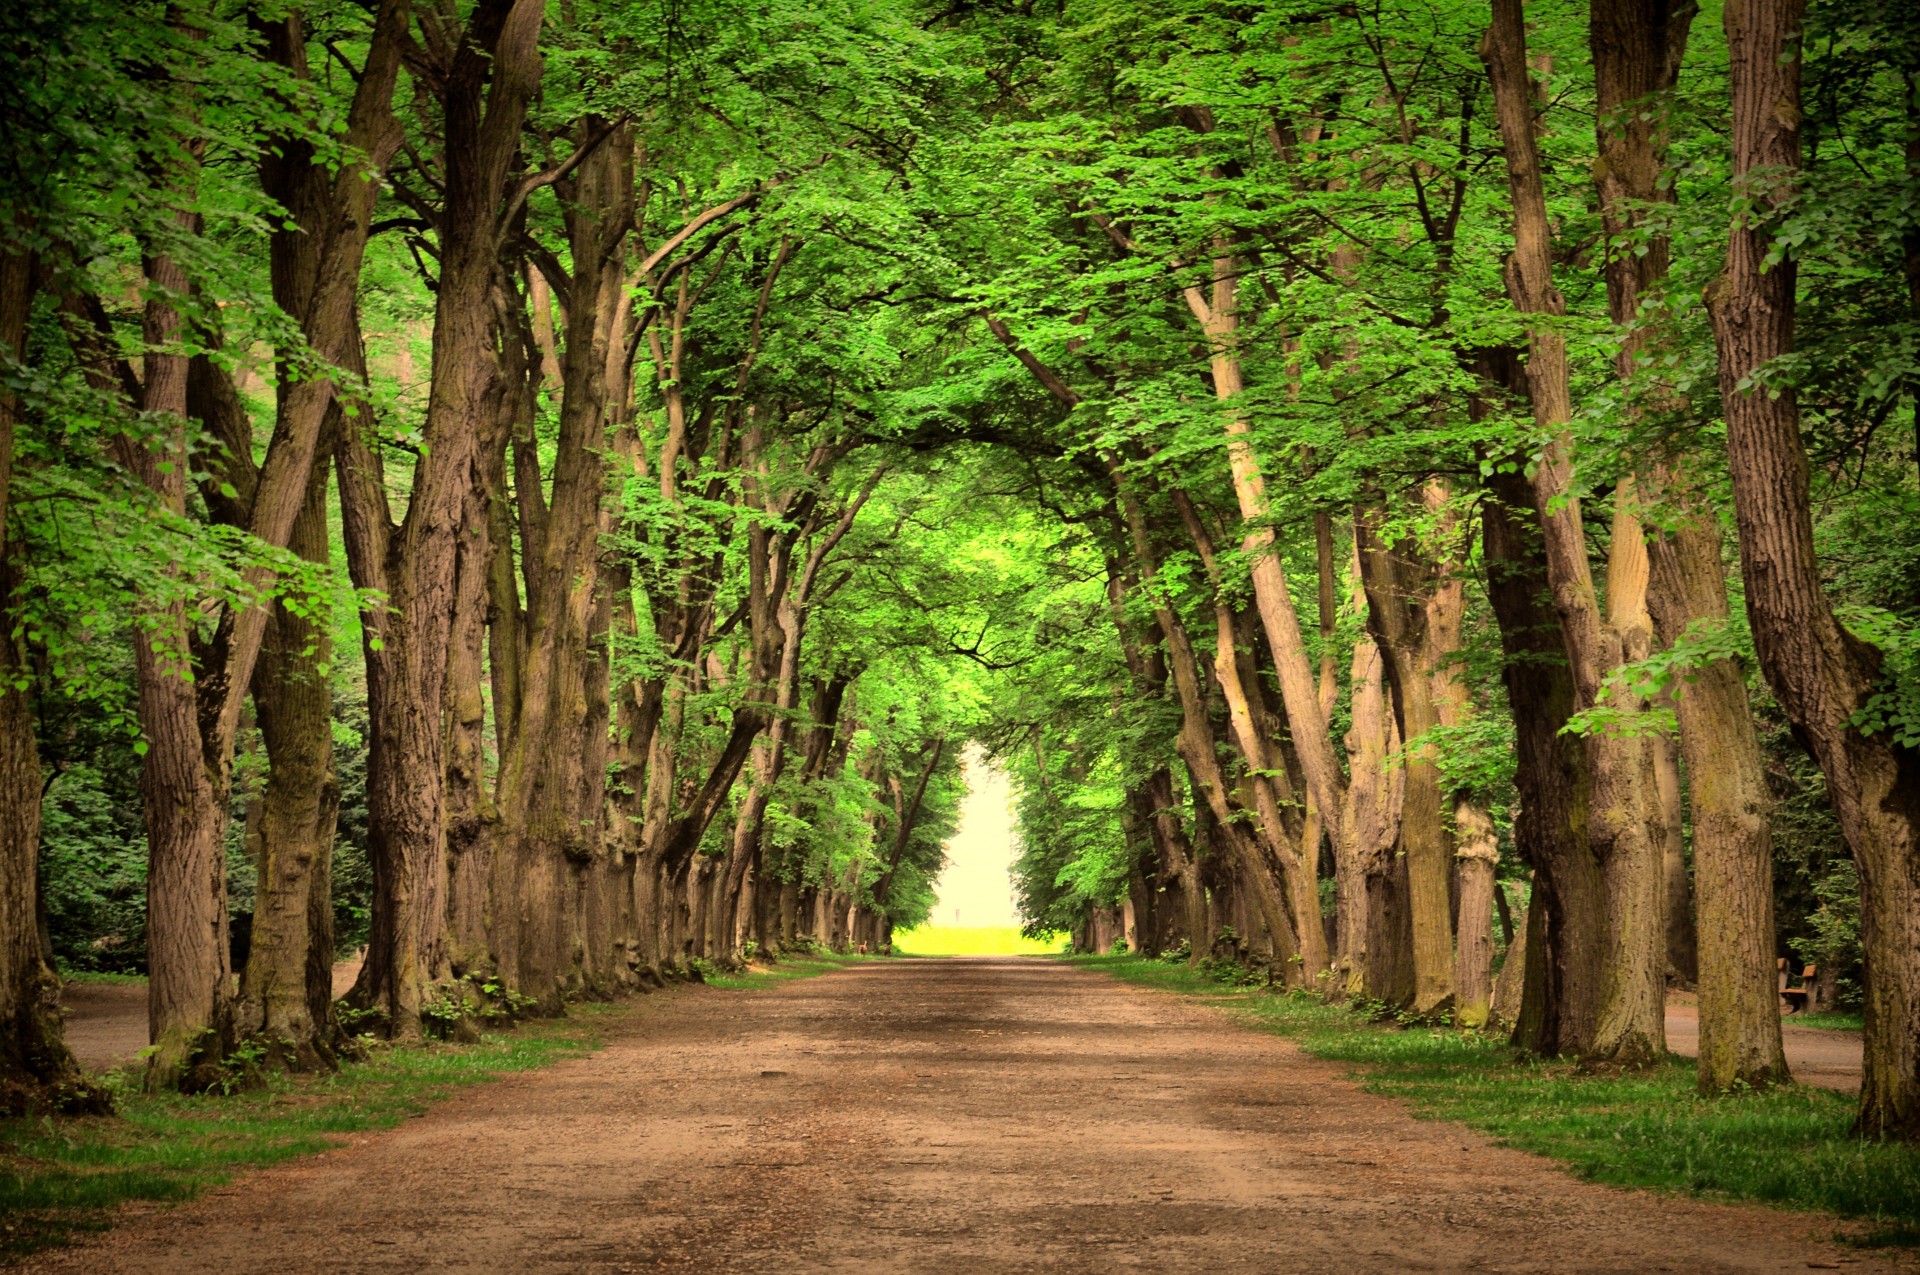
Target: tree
[{"x": 1825, "y": 676}]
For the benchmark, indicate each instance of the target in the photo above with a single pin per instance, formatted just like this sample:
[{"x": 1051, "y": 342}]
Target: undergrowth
[
  {"x": 1790, "y": 1147},
  {"x": 62, "y": 1177}
]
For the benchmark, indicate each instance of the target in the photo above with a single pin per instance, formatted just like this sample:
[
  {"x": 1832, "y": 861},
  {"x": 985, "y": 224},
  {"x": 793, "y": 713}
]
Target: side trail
[{"x": 991, "y": 1115}]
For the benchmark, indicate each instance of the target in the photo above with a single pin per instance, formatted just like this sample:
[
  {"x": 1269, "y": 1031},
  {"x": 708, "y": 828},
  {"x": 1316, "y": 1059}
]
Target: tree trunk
[
  {"x": 184, "y": 783},
  {"x": 1821, "y": 673},
  {"x": 1374, "y": 802},
  {"x": 1217, "y": 311},
  {"x": 1569, "y": 904},
  {"x": 1732, "y": 835},
  {"x": 1476, "y": 848},
  {"x": 471, "y": 817},
  {"x": 1157, "y": 806},
  {"x": 293, "y": 703},
  {"x": 1291, "y": 870},
  {"x": 1176, "y": 856},
  {"x": 1683, "y": 961},
  {"x": 1637, "y": 47},
  {"x": 550, "y": 789},
  {"x": 1196, "y": 739},
  {"x": 315, "y": 266},
  {"x": 1477, "y": 855},
  {"x": 1509, "y": 990},
  {"x": 1397, "y": 587}
]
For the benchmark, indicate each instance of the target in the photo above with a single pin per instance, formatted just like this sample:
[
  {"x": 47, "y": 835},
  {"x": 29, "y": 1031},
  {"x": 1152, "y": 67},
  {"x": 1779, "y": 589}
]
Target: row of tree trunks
[
  {"x": 192, "y": 696},
  {"x": 487, "y": 77},
  {"x": 1637, "y": 47},
  {"x": 1622, "y": 823}
]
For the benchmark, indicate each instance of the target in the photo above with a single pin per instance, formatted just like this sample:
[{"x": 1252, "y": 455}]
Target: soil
[
  {"x": 988, "y": 1114},
  {"x": 106, "y": 1022}
]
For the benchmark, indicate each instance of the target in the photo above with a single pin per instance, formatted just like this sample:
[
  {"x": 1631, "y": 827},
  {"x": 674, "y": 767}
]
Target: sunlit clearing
[
  {"x": 974, "y": 889},
  {"x": 974, "y": 913},
  {"x": 973, "y": 940}
]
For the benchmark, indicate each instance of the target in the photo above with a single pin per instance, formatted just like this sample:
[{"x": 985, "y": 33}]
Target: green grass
[
  {"x": 1789, "y": 1147},
  {"x": 61, "y": 1178},
  {"x": 973, "y": 940},
  {"x": 1833, "y": 1022},
  {"x": 788, "y": 968}
]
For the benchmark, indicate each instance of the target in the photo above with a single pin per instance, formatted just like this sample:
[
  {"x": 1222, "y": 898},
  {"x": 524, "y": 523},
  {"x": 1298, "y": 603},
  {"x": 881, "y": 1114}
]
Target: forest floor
[{"x": 988, "y": 1114}]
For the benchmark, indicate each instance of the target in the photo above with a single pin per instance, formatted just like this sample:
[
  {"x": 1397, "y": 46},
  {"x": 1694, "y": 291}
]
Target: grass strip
[
  {"x": 1790, "y": 1147},
  {"x": 1832, "y": 1022},
  {"x": 61, "y": 1178}
]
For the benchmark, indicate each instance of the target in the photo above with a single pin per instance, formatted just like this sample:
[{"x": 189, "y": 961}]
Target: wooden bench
[{"x": 1797, "y": 998}]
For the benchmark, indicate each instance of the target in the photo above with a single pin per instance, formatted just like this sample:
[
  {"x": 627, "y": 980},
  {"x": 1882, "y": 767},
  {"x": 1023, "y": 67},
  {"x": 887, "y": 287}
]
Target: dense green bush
[{"x": 93, "y": 869}]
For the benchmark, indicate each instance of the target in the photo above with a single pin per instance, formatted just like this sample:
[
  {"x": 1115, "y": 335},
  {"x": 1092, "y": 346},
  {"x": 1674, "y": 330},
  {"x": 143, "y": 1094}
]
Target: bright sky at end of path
[{"x": 976, "y": 888}]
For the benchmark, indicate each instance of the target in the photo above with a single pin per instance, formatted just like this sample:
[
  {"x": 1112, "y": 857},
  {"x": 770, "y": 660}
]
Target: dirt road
[{"x": 985, "y": 1115}]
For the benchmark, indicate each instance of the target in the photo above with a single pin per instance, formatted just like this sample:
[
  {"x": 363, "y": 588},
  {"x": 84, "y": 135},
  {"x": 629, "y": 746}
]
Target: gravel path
[{"x": 960, "y": 1116}]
